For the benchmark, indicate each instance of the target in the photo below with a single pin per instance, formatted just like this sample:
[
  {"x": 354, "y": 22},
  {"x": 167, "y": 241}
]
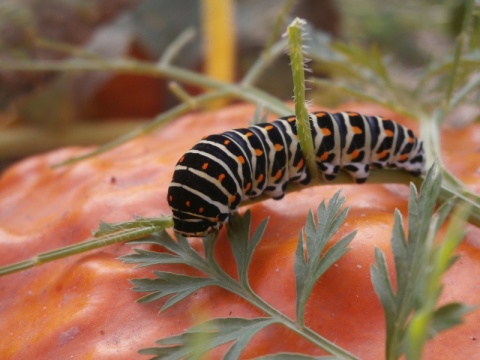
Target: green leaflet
[
  {"x": 169, "y": 283},
  {"x": 242, "y": 246},
  {"x": 309, "y": 267}
]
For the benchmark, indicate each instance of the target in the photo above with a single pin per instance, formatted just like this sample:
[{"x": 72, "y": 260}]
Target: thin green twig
[
  {"x": 67, "y": 49},
  {"x": 263, "y": 61},
  {"x": 457, "y": 56},
  {"x": 173, "y": 49},
  {"x": 279, "y": 24},
  {"x": 160, "y": 120},
  {"x": 120, "y": 236}
]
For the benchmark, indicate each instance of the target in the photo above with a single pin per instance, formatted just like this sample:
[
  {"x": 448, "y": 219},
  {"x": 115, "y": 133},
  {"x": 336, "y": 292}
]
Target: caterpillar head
[
  {"x": 189, "y": 225},
  {"x": 192, "y": 215}
]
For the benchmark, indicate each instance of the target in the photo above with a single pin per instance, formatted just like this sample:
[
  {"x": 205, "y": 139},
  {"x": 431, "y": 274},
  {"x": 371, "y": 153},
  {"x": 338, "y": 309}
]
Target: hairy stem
[{"x": 303, "y": 121}]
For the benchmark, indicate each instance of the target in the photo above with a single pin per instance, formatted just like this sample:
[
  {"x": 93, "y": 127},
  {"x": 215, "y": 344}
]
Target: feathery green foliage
[
  {"x": 410, "y": 310},
  {"x": 311, "y": 266},
  {"x": 308, "y": 269}
]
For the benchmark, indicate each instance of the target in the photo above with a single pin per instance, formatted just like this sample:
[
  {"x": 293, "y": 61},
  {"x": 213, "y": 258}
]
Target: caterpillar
[{"x": 222, "y": 170}]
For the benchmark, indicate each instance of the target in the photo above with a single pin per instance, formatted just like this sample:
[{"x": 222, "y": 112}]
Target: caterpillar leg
[
  {"x": 329, "y": 171},
  {"x": 358, "y": 171}
]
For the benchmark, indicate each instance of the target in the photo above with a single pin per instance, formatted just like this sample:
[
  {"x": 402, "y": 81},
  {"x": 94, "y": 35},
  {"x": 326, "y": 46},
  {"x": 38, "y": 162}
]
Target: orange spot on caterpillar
[
  {"x": 226, "y": 142},
  {"x": 170, "y": 198},
  {"x": 268, "y": 127},
  {"x": 323, "y": 157},
  {"x": 357, "y": 130},
  {"x": 278, "y": 175},
  {"x": 320, "y": 114},
  {"x": 403, "y": 157},
  {"x": 278, "y": 147},
  {"x": 181, "y": 159},
  {"x": 291, "y": 119},
  {"x": 241, "y": 159},
  {"x": 201, "y": 210},
  {"x": 388, "y": 133},
  {"x": 411, "y": 140},
  {"x": 351, "y": 113},
  {"x": 205, "y": 166},
  {"x": 383, "y": 154},
  {"x": 233, "y": 198},
  {"x": 248, "y": 134},
  {"x": 249, "y": 185},
  {"x": 355, "y": 154},
  {"x": 258, "y": 152},
  {"x": 326, "y": 132},
  {"x": 187, "y": 203},
  {"x": 300, "y": 164},
  {"x": 221, "y": 177},
  {"x": 260, "y": 178}
]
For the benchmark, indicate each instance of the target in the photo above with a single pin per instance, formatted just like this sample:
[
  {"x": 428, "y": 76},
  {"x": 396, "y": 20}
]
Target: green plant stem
[
  {"x": 65, "y": 48},
  {"x": 22, "y": 141},
  {"x": 162, "y": 119},
  {"x": 109, "y": 239},
  {"x": 451, "y": 185},
  {"x": 263, "y": 61},
  {"x": 279, "y": 25},
  {"x": 459, "y": 47},
  {"x": 272, "y": 50},
  {"x": 249, "y": 295},
  {"x": 245, "y": 93},
  {"x": 363, "y": 96},
  {"x": 462, "y": 93},
  {"x": 181, "y": 94},
  {"x": 172, "y": 51},
  {"x": 294, "y": 32}
]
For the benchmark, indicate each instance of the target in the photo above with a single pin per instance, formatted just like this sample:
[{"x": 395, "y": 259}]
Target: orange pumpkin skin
[{"x": 82, "y": 306}]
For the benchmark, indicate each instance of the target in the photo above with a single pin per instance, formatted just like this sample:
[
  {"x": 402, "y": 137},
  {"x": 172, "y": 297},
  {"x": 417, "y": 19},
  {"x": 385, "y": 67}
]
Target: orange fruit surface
[{"x": 82, "y": 307}]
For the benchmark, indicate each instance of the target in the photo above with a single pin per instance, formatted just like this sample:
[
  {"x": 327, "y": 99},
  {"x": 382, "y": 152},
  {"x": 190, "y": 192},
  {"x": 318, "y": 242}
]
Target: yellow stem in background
[{"x": 218, "y": 32}]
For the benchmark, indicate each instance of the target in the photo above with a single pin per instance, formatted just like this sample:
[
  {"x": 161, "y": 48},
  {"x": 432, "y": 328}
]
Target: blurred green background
[{"x": 44, "y": 110}]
